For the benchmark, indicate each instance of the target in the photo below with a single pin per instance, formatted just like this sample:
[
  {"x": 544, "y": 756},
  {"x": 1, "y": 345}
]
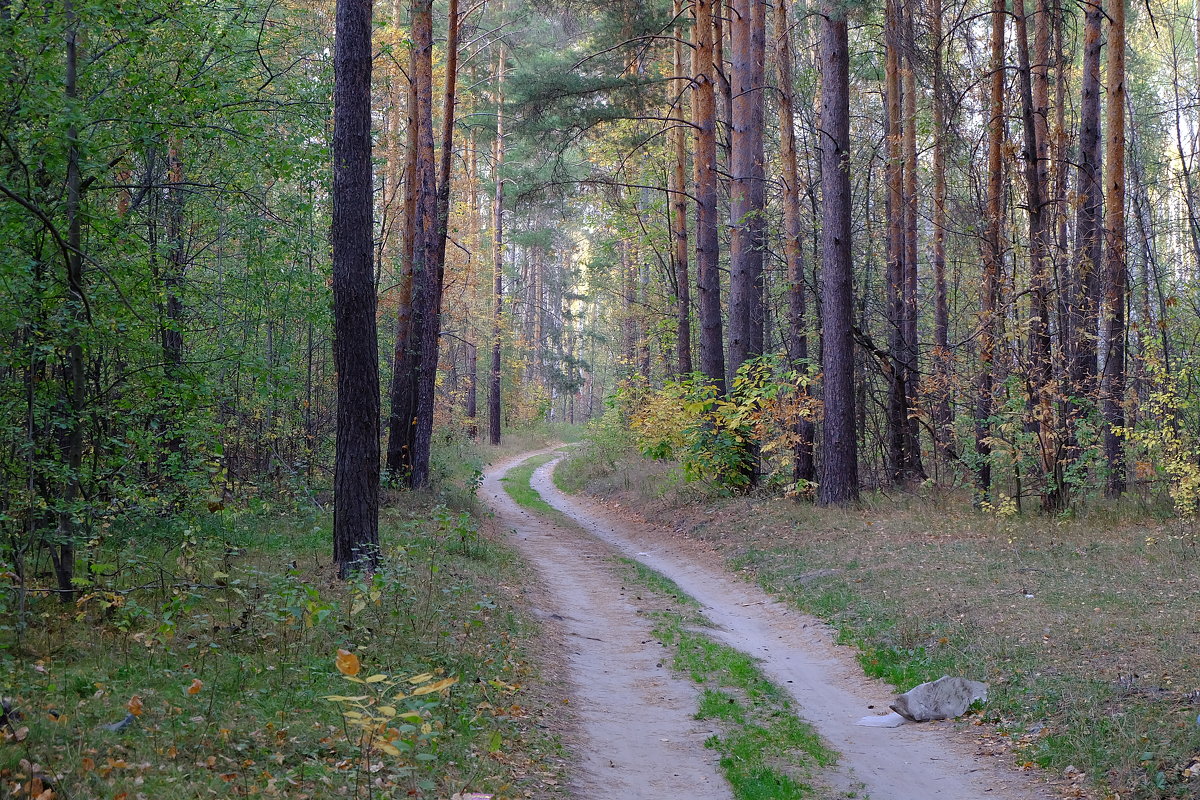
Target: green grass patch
[
  {"x": 767, "y": 753},
  {"x": 1066, "y": 620},
  {"x": 220, "y": 637},
  {"x": 516, "y": 484},
  {"x": 662, "y": 585}
]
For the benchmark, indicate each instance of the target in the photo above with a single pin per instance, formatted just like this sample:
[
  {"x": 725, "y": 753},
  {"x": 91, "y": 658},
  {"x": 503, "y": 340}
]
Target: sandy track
[{"x": 639, "y": 738}]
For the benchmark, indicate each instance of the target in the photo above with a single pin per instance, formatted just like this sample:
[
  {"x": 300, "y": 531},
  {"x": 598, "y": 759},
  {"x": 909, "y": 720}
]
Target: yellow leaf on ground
[
  {"x": 347, "y": 663},
  {"x": 196, "y": 686},
  {"x": 444, "y": 683}
]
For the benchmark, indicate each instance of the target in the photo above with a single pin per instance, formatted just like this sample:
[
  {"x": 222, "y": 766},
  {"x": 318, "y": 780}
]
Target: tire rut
[
  {"x": 640, "y": 739},
  {"x": 637, "y": 717}
]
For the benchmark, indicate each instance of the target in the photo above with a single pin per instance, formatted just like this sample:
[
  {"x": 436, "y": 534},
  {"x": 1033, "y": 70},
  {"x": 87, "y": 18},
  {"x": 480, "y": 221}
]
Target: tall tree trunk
[
  {"x": 914, "y": 470},
  {"x": 1085, "y": 285},
  {"x": 172, "y": 330},
  {"x": 708, "y": 276},
  {"x": 1115, "y": 271},
  {"x": 1034, "y": 101},
  {"x": 679, "y": 209},
  {"x": 355, "y": 347},
  {"x": 803, "y": 463},
  {"x": 403, "y": 388},
  {"x": 897, "y": 402},
  {"x": 943, "y": 419},
  {"x": 497, "y": 254},
  {"x": 992, "y": 257},
  {"x": 723, "y": 108},
  {"x": 434, "y": 221},
  {"x": 472, "y": 390},
  {"x": 839, "y": 479},
  {"x": 746, "y": 192},
  {"x": 62, "y": 550}
]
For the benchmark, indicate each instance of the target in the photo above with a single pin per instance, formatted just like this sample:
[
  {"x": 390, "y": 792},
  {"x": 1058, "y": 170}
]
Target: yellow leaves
[
  {"x": 195, "y": 687},
  {"x": 424, "y": 676},
  {"x": 375, "y": 679},
  {"x": 388, "y": 748},
  {"x": 347, "y": 663},
  {"x": 134, "y": 706},
  {"x": 445, "y": 683}
]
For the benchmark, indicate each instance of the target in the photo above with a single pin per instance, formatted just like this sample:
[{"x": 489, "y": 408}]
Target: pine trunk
[
  {"x": 679, "y": 210},
  {"x": 746, "y": 199},
  {"x": 992, "y": 258},
  {"x": 839, "y": 479},
  {"x": 1115, "y": 271},
  {"x": 803, "y": 463},
  {"x": 434, "y": 216},
  {"x": 497, "y": 256},
  {"x": 355, "y": 349},
  {"x": 942, "y": 413},
  {"x": 708, "y": 276}
]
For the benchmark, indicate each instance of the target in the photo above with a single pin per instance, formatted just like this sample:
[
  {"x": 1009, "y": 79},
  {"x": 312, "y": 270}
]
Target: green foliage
[
  {"x": 1166, "y": 447},
  {"x": 715, "y": 438},
  {"x": 198, "y": 128}
]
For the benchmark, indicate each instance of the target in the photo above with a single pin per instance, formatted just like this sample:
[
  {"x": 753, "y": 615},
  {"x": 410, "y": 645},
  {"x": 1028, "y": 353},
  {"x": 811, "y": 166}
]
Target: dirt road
[{"x": 639, "y": 738}]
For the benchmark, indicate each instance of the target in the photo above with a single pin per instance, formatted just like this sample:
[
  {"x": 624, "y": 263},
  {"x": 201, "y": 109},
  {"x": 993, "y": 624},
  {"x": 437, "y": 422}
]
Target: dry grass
[{"x": 1086, "y": 628}]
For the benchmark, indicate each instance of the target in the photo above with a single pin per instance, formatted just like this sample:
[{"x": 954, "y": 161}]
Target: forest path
[{"x": 637, "y": 716}]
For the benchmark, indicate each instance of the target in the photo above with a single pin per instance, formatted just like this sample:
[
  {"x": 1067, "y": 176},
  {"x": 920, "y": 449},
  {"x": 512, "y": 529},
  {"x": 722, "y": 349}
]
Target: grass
[
  {"x": 221, "y": 634},
  {"x": 517, "y": 486},
  {"x": 1083, "y": 627},
  {"x": 766, "y": 752}
]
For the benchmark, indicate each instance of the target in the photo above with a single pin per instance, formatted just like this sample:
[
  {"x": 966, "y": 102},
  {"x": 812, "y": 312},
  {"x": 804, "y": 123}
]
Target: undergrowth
[{"x": 213, "y": 657}]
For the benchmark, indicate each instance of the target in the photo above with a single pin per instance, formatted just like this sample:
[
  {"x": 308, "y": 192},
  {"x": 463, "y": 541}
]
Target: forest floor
[
  {"x": 1084, "y": 628},
  {"x": 218, "y": 655},
  {"x": 636, "y": 727}
]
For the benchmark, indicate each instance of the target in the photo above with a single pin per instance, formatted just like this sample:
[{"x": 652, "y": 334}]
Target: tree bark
[
  {"x": 62, "y": 550},
  {"x": 839, "y": 479},
  {"x": 943, "y": 417},
  {"x": 992, "y": 257},
  {"x": 897, "y": 409},
  {"x": 356, "y": 470},
  {"x": 679, "y": 210},
  {"x": 708, "y": 277},
  {"x": 434, "y": 220},
  {"x": 803, "y": 462},
  {"x": 472, "y": 390},
  {"x": 914, "y": 470},
  {"x": 172, "y": 279},
  {"x": 497, "y": 255},
  {"x": 403, "y": 388},
  {"x": 1115, "y": 271},
  {"x": 1033, "y": 89},
  {"x": 746, "y": 201},
  {"x": 1085, "y": 286}
]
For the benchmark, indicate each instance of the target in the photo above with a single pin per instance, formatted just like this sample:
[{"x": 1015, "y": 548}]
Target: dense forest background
[{"x": 795, "y": 248}]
